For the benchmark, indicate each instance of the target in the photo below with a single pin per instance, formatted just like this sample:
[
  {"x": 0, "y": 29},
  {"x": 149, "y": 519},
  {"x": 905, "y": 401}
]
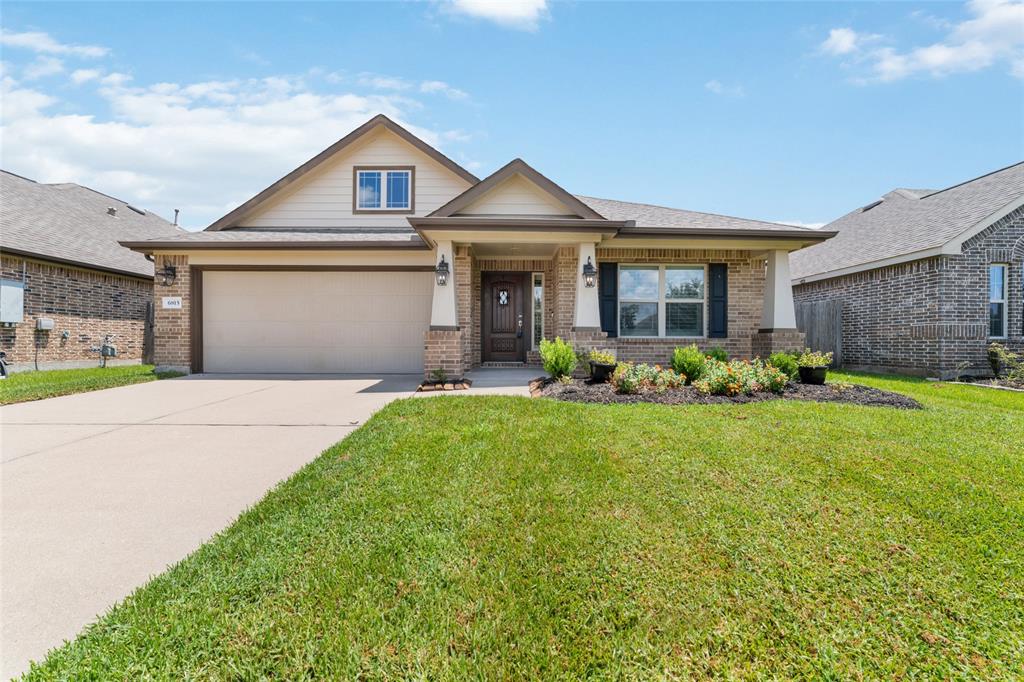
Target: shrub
[
  {"x": 439, "y": 376},
  {"x": 740, "y": 377},
  {"x": 558, "y": 357},
  {"x": 812, "y": 358},
  {"x": 717, "y": 353},
  {"x": 785, "y": 362},
  {"x": 1006, "y": 362},
  {"x": 601, "y": 357},
  {"x": 689, "y": 362},
  {"x": 630, "y": 378}
]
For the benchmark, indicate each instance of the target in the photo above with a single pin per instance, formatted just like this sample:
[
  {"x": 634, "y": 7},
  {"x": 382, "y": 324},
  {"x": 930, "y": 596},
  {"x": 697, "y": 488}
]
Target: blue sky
[{"x": 781, "y": 111}]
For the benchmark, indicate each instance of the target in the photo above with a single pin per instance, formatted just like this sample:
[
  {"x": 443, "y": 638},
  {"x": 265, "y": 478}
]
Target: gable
[
  {"x": 516, "y": 196},
  {"x": 324, "y": 196}
]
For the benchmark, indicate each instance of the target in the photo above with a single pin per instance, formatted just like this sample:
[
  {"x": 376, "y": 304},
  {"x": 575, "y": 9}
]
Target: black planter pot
[
  {"x": 813, "y": 375},
  {"x": 600, "y": 372}
]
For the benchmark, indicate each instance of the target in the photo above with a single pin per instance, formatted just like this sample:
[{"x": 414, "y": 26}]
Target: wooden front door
[{"x": 504, "y": 329}]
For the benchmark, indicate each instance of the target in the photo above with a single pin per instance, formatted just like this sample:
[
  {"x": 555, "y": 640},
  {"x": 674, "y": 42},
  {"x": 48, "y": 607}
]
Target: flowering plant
[{"x": 740, "y": 377}]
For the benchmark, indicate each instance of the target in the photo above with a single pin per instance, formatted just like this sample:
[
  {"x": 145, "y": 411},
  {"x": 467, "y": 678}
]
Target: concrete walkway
[
  {"x": 501, "y": 381},
  {"x": 100, "y": 491}
]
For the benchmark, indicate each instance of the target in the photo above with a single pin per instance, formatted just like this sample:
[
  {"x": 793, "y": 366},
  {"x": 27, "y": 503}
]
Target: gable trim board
[
  {"x": 951, "y": 247},
  {"x": 506, "y": 172},
  {"x": 380, "y": 120}
]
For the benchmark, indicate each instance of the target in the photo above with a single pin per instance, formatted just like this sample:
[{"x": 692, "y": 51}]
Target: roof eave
[
  {"x": 151, "y": 246},
  {"x": 76, "y": 263},
  {"x": 814, "y": 236}
]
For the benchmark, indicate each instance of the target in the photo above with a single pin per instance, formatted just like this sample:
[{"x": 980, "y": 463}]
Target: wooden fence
[{"x": 822, "y": 323}]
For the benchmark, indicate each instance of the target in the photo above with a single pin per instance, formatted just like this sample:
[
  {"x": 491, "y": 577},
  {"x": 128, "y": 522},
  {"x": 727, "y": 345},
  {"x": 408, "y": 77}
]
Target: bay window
[
  {"x": 997, "y": 301},
  {"x": 661, "y": 300}
]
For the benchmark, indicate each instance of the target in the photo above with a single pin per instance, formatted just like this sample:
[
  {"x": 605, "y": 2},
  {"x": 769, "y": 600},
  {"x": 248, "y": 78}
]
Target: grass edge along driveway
[
  {"x": 22, "y": 387},
  {"x": 497, "y": 537}
]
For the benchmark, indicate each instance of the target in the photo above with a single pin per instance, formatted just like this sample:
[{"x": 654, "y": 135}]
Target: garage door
[{"x": 315, "y": 322}]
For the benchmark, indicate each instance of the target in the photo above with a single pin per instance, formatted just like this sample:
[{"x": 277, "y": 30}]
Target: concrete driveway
[{"x": 101, "y": 491}]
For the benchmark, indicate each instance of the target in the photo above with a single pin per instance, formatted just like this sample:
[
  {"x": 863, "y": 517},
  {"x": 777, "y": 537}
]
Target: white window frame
[
  {"x": 534, "y": 344},
  {"x": 383, "y": 207},
  {"x": 662, "y": 300},
  {"x": 1006, "y": 304}
]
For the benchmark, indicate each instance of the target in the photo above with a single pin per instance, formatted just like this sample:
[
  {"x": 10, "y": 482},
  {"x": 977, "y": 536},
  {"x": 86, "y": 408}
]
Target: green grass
[
  {"x": 508, "y": 538},
  {"x": 23, "y": 386}
]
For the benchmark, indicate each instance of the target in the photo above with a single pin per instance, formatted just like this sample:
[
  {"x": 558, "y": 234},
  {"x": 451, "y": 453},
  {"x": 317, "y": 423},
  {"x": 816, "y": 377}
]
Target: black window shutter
[
  {"x": 718, "y": 300},
  {"x": 608, "y": 292}
]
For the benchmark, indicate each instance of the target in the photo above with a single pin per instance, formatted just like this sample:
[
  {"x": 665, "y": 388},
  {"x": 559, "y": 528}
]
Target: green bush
[
  {"x": 558, "y": 357},
  {"x": 689, "y": 362},
  {"x": 630, "y": 378},
  {"x": 811, "y": 358},
  {"x": 785, "y": 362},
  {"x": 717, "y": 353},
  {"x": 740, "y": 377}
]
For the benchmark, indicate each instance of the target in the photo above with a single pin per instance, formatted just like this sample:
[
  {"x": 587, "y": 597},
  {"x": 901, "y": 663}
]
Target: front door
[{"x": 504, "y": 328}]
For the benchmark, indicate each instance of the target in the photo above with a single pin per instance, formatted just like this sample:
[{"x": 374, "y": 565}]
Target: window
[
  {"x": 997, "y": 301},
  {"x": 661, "y": 300},
  {"x": 383, "y": 189},
  {"x": 538, "y": 309}
]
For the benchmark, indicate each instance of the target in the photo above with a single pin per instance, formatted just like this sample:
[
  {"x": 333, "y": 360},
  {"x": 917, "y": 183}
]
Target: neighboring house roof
[
  {"x": 380, "y": 120},
  {"x": 579, "y": 208},
  {"x": 69, "y": 223},
  {"x": 908, "y": 225}
]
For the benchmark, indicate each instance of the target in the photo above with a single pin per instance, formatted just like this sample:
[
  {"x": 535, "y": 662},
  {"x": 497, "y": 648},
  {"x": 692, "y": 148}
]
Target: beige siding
[
  {"x": 516, "y": 196},
  {"x": 315, "y": 322},
  {"x": 324, "y": 197}
]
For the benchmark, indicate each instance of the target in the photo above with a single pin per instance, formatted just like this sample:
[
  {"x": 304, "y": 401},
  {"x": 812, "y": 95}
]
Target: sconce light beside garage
[
  {"x": 589, "y": 274},
  {"x": 167, "y": 275},
  {"x": 442, "y": 272}
]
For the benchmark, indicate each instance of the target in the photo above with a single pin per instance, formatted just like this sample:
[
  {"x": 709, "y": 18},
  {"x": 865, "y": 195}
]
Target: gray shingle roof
[
  {"x": 69, "y": 223},
  {"x": 908, "y": 221},
  {"x": 650, "y": 216},
  {"x": 285, "y": 237}
]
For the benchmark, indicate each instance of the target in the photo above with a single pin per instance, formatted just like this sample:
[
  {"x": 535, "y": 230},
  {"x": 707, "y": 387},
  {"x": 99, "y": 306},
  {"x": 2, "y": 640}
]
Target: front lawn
[
  {"x": 23, "y": 386},
  {"x": 513, "y": 538}
]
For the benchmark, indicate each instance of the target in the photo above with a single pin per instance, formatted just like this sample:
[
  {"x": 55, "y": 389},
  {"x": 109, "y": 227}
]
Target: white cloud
[
  {"x": 79, "y": 76},
  {"x": 993, "y": 35},
  {"x": 443, "y": 88},
  {"x": 43, "y": 66},
  {"x": 800, "y": 223},
  {"x": 38, "y": 41},
  {"x": 519, "y": 14},
  {"x": 843, "y": 41},
  {"x": 726, "y": 91},
  {"x": 378, "y": 82},
  {"x": 204, "y": 147}
]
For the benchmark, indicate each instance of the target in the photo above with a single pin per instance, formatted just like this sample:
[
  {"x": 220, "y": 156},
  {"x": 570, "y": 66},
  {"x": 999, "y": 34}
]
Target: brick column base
[
  {"x": 586, "y": 339},
  {"x": 443, "y": 349},
  {"x": 765, "y": 342}
]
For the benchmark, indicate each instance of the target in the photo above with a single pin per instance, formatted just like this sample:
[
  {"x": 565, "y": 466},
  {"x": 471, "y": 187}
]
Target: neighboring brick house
[
  {"x": 61, "y": 261},
  {"x": 927, "y": 278},
  {"x": 381, "y": 254}
]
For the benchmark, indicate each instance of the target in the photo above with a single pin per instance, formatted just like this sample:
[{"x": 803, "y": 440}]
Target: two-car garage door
[{"x": 314, "y": 322}]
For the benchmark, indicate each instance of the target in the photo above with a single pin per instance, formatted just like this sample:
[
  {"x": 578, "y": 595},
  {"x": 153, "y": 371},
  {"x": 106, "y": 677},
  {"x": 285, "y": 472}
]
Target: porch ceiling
[{"x": 513, "y": 250}]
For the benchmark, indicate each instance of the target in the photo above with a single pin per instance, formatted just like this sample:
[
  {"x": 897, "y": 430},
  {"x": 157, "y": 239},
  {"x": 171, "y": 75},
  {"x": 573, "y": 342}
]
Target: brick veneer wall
[
  {"x": 928, "y": 316},
  {"x": 87, "y": 303},
  {"x": 172, "y": 341},
  {"x": 746, "y": 300}
]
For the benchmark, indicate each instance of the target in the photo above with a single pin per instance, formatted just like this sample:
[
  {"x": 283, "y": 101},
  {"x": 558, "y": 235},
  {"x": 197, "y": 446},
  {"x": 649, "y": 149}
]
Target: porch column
[
  {"x": 779, "y": 313},
  {"x": 443, "y": 313},
  {"x": 588, "y": 305}
]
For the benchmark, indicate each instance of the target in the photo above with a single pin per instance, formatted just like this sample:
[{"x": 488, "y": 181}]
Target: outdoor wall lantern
[
  {"x": 442, "y": 272},
  {"x": 589, "y": 274},
  {"x": 167, "y": 276}
]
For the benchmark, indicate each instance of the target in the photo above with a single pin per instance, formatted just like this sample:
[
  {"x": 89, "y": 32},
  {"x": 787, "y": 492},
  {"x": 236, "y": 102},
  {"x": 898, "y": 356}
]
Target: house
[
  {"x": 381, "y": 254},
  {"x": 927, "y": 278},
  {"x": 66, "y": 282}
]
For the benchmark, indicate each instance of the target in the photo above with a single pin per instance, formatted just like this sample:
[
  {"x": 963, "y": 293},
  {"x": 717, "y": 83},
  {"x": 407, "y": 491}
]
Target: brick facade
[
  {"x": 929, "y": 317},
  {"x": 172, "y": 338},
  {"x": 88, "y": 304}
]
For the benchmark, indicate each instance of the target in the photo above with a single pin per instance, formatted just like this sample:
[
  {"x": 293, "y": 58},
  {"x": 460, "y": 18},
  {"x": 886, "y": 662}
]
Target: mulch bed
[{"x": 582, "y": 391}]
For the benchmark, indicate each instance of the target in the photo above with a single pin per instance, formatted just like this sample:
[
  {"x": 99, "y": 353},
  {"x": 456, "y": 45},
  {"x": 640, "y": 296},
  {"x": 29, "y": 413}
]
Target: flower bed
[{"x": 582, "y": 391}]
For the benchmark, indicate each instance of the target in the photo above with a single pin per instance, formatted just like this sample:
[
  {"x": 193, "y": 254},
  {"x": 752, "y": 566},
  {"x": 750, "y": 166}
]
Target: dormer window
[{"x": 384, "y": 189}]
